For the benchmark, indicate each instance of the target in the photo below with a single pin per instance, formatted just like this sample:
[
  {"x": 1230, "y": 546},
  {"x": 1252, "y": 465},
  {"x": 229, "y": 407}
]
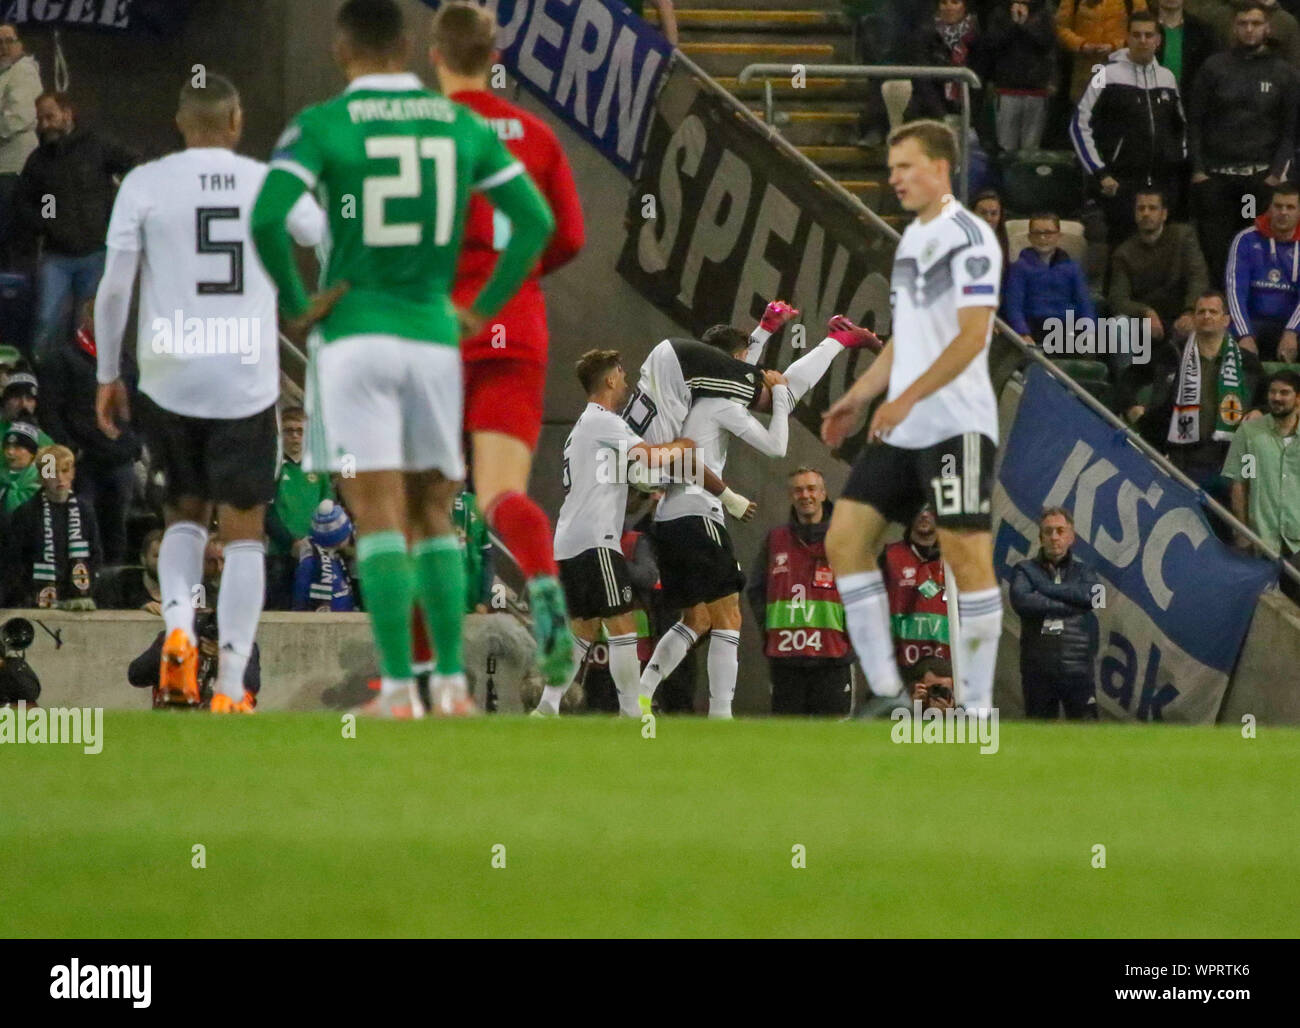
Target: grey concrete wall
[{"x": 309, "y": 661}]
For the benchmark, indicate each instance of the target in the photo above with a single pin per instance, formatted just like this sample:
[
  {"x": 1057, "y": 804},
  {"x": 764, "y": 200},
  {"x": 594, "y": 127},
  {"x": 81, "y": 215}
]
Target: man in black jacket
[
  {"x": 1129, "y": 130},
  {"x": 105, "y": 471},
  {"x": 1055, "y": 596},
  {"x": 1241, "y": 133},
  {"x": 64, "y": 199},
  {"x": 1186, "y": 42},
  {"x": 1020, "y": 57}
]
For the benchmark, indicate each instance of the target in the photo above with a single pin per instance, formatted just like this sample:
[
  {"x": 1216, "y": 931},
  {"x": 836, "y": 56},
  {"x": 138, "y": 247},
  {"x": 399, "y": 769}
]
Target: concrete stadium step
[
  {"x": 827, "y": 89},
  {"x": 756, "y": 21},
  {"x": 813, "y": 128},
  {"x": 828, "y": 157},
  {"x": 730, "y": 58},
  {"x": 754, "y": 7}
]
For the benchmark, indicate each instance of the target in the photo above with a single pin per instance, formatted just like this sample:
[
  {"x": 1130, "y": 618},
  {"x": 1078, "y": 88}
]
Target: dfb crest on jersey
[
  {"x": 928, "y": 252},
  {"x": 627, "y": 594},
  {"x": 977, "y": 266}
]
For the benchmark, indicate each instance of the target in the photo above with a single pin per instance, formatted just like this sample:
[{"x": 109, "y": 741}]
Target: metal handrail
[
  {"x": 1032, "y": 352},
  {"x": 964, "y": 76}
]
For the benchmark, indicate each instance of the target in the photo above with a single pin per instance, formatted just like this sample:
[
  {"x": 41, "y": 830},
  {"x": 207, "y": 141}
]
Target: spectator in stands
[
  {"x": 667, "y": 16},
  {"x": 915, "y": 583},
  {"x": 53, "y": 547},
  {"x": 135, "y": 588},
  {"x": 20, "y": 85},
  {"x": 105, "y": 467},
  {"x": 1020, "y": 48},
  {"x": 1263, "y": 279},
  {"x": 1200, "y": 395},
  {"x": 1044, "y": 282},
  {"x": 64, "y": 199},
  {"x": 1220, "y": 15},
  {"x": 323, "y": 581},
  {"x": 1158, "y": 273},
  {"x": 1055, "y": 595},
  {"x": 1241, "y": 134},
  {"x": 949, "y": 39},
  {"x": 143, "y": 671},
  {"x": 793, "y": 595},
  {"x": 288, "y": 518},
  {"x": 1185, "y": 44},
  {"x": 1091, "y": 30},
  {"x": 930, "y": 681},
  {"x": 988, "y": 205},
  {"x": 1129, "y": 130},
  {"x": 18, "y": 402},
  {"x": 1263, "y": 463},
  {"x": 20, "y": 481}
]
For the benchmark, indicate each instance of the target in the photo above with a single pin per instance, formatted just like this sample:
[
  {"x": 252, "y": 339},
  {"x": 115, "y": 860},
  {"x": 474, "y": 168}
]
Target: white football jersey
[
  {"x": 207, "y": 338},
  {"x": 595, "y": 483},
  {"x": 954, "y": 261},
  {"x": 709, "y": 424}
]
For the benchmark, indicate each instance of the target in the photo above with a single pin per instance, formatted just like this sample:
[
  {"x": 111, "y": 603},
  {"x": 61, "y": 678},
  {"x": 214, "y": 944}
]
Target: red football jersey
[{"x": 524, "y": 316}]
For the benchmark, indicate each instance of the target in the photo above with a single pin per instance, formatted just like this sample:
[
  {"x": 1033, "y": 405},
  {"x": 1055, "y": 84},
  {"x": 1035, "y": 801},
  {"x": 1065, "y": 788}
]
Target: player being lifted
[
  {"x": 697, "y": 564},
  {"x": 394, "y": 164},
  {"x": 505, "y": 364},
  {"x": 601, "y": 455},
  {"x": 208, "y": 354},
  {"x": 936, "y": 434}
]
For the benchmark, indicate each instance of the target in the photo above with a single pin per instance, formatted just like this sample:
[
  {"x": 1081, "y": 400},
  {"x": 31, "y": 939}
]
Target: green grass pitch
[{"x": 691, "y": 833}]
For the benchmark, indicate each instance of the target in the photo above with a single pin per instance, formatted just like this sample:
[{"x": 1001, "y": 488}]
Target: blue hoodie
[
  {"x": 1263, "y": 278},
  {"x": 1038, "y": 290}
]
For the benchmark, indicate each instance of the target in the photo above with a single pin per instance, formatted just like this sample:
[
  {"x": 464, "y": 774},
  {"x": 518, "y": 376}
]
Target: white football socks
[
  {"x": 807, "y": 371},
  {"x": 724, "y": 662},
  {"x": 981, "y": 628},
  {"x": 866, "y": 615},
  {"x": 670, "y": 652},
  {"x": 239, "y": 608},
  {"x": 180, "y": 569},
  {"x": 552, "y": 694},
  {"x": 625, "y": 669}
]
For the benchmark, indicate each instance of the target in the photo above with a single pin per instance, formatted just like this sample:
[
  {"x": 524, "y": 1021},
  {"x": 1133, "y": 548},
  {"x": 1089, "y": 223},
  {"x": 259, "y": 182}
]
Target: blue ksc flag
[
  {"x": 1176, "y": 602},
  {"x": 594, "y": 63},
  {"x": 159, "y": 18}
]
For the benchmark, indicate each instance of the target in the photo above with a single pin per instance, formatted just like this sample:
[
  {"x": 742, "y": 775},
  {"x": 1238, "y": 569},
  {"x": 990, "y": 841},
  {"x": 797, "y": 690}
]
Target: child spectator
[
  {"x": 53, "y": 542},
  {"x": 1044, "y": 282},
  {"x": 1020, "y": 43},
  {"x": 322, "y": 582},
  {"x": 19, "y": 482}
]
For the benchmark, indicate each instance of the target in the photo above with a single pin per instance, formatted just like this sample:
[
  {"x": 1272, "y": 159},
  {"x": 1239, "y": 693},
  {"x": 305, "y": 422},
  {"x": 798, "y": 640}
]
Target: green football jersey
[{"x": 393, "y": 164}]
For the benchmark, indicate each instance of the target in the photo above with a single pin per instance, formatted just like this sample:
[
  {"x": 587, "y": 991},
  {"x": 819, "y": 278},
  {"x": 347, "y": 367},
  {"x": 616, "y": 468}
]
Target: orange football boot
[
  {"x": 223, "y": 704},
  {"x": 178, "y": 675}
]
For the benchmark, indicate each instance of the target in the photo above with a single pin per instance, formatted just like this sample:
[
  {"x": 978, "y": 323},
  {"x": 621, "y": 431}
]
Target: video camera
[{"x": 16, "y": 636}]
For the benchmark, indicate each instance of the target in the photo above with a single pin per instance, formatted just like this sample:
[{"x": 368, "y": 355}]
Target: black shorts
[
  {"x": 596, "y": 583},
  {"x": 955, "y": 476},
  {"x": 696, "y": 561},
  {"x": 220, "y": 460}
]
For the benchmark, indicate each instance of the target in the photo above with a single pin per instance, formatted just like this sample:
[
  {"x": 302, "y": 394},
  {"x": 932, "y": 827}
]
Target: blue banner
[
  {"x": 595, "y": 64},
  {"x": 1177, "y": 602},
  {"x": 151, "y": 17}
]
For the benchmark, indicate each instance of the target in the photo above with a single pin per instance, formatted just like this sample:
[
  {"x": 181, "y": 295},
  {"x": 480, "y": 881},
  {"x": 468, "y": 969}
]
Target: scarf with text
[
  {"x": 50, "y": 585},
  {"x": 1185, "y": 422}
]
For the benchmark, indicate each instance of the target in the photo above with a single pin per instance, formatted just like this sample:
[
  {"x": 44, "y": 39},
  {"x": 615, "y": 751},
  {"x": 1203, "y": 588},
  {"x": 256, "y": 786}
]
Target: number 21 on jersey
[{"x": 378, "y": 189}]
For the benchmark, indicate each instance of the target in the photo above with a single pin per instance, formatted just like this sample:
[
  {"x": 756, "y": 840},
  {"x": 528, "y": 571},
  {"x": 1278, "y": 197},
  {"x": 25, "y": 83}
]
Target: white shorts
[{"x": 380, "y": 403}]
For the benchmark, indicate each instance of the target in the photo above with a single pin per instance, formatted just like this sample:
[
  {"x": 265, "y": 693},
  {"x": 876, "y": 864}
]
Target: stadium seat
[
  {"x": 1042, "y": 180},
  {"x": 1271, "y": 366},
  {"x": 1072, "y": 240},
  {"x": 1102, "y": 391},
  {"x": 1082, "y": 370}
]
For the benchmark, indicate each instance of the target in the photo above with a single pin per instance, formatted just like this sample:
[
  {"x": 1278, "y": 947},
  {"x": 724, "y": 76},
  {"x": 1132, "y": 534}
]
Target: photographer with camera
[
  {"x": 930, "y": 681},
  {"x": 18, "y": 682},
  {"x": 1054, "y": 594},
  {"x": 144, "y": 670}
]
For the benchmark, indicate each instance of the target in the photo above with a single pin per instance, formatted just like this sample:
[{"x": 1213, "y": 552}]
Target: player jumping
[
  {"x": 601, "y": 455},
  {"x": 395, "y": 164},
  {"x": 935, "y": 437},
  {"x": 208, "y": 353}
]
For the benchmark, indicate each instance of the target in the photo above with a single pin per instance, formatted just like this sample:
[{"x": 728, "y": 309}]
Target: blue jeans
[{"x": 58, "y": 279}]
